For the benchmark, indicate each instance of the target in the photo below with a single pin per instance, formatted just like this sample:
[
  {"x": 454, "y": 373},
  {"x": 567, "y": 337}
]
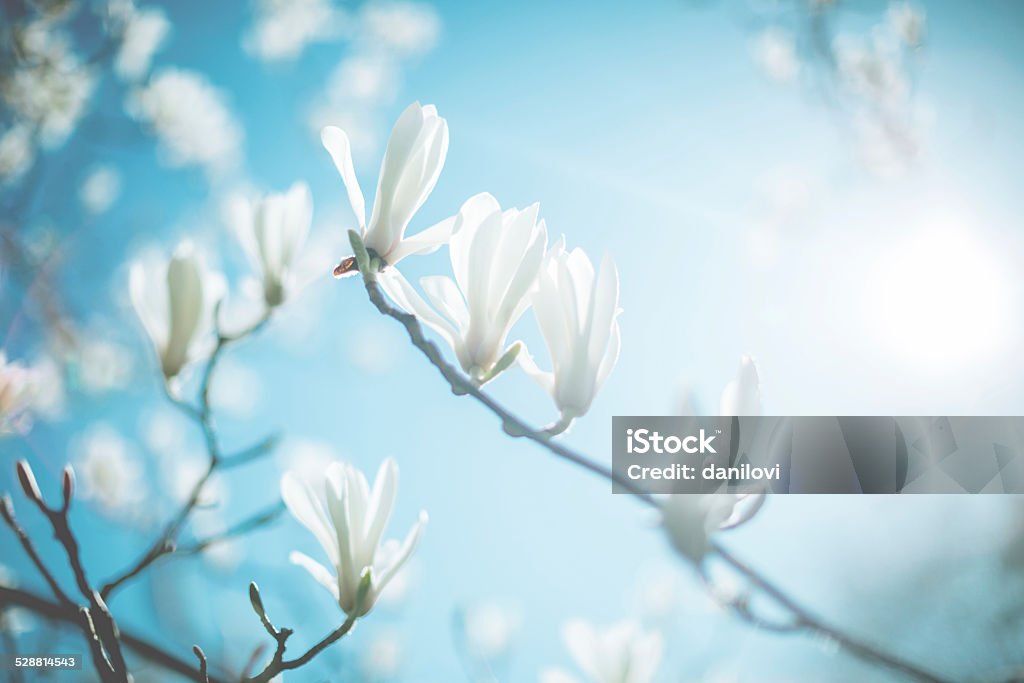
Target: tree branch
[
  {"x": 70, "y": 615},
  {"x": 368, "y": 265}
]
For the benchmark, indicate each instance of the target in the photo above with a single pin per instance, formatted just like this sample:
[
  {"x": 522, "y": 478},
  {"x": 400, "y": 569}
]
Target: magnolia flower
[
  {"x": 348, "y": 519},
  {"x": 576, "y": 311},
  {"x": 16, "y": 388},
  {"x": 690, "y": 519},
  {"x": 621, "y": 653},
  {"x": 742, "y": 396},
  {"x": 174, "y": 303},
  {"x": 412, "y": 162},
  {"x": 496, "y": 257},
  {"x": 272, "y": 230}
]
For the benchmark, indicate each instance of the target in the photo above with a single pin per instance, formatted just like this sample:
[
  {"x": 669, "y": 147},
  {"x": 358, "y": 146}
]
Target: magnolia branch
[
  {"x": 202, "y": 415},
  {"x": 803, "y": 621},
  {"x": 278, "y": 663}
]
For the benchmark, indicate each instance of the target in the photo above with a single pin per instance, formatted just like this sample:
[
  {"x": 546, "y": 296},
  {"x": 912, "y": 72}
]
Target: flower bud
[{"x": 27, "y": 479}]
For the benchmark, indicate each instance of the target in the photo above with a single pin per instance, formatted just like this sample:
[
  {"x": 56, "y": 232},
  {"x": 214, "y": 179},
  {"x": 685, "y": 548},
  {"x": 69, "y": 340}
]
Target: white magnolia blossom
[
  {"x": 100, "y": 189},
  {"x": 496, "y": 256},
  {"x": 273, "y": 230},
  {"x": 49, "y": 86},
  {"x": 175, "y": 304},
  {"x": 577, "y": 311},
  {"x": 103, "y": 365},
  {"x": 412, "y": 162},
  {"x": 191, "y": 119},
  {"x": 742, "y": 396},
  {"x": 143, "y": 33},
  {"x": 775, "y": 53},
  {"x": 108, "y": 472},
  {"x": 348, "y": 520},
  {"x": 690, "y": 519},
  {"x": 621, "y": 653},
  {"x": 16, "y": 389},
  {"x": 381, "y": 658},
  {"x": 283, "y": 28}
]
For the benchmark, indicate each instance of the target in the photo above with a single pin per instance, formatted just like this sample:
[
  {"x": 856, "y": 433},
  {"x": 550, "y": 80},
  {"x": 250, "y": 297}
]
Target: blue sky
[{"x": 648, "y": 132}]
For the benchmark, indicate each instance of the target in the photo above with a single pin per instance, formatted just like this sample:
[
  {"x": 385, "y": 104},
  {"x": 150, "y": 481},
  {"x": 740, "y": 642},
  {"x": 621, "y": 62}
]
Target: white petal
[
  {"x": 408, "y": 545},
  {"x": 340, "y": 149},
  {"x": 319, "y": 572},
  {"x": 306, "y": 507},
  {"x": 424, "y": 242},
  {"x": 742, "y": 396},
  {"x": 581, "y": 640},
  {"x": 545, "y": 379},
  {"x": 472, "y": 213},
  {"x": 445, "y": 296},
  {"x": 405, "y": 297},
  {"x": 382, "y": 500}
]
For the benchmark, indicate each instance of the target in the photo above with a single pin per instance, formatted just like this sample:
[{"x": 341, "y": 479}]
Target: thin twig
[
  {"x": 808, "y": 622},
  {"x": 256, "y": 521},
  {"x": 7, "y": 511},
  {"x": 165, "y": 542},
  {"x": 70, "y": 615}
]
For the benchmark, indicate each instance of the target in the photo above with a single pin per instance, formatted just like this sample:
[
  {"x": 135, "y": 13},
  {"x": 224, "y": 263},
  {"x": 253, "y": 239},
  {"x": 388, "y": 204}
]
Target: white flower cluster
[
  {"x": 176, "y": 300},
  {"x": 502, "y": 263},
  {"x": 191, "y": 119}
]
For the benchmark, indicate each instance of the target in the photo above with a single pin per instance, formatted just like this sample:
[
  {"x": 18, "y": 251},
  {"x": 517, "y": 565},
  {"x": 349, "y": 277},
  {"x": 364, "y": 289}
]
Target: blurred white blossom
[
  {"x": 385, "y": 37},
  {"x": 742, "y": 396},
  {"x": 775, "y": 53},
  {"x": 108, "y": 471},
  {"x": 490, "y": 628},
  {"x": 381, "y": 658},
  {"x": 144, "y": 32},
  {"x": 175, "y": 304},
  {"x": 16, "y": 152},
  {"x": 577, "y": 311},
  {"x": 103, "y": 365},
  {"x": 238, "y": 389},
  {"x": 15, "y": 395},
  {"x": 348, "y": 520},
  {"x": 412, "y": 163},
  {"x": 272, "y": 230},
  {"x": 403, "y": 28},
  {"x": 908, "y": 22},
  {"x": 190, "y": 118},
  {"x": 621, "y": 653},
  {"x": 495, "y": 256},
  {"x": 100, "y": 189},
  {"x": 282, "y": 29},
  {"x": 49, "y": 86}
]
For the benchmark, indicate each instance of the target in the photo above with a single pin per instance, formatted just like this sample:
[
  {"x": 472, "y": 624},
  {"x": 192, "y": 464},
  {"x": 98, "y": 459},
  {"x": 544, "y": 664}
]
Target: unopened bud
[
  {"x": 68, "y": 485},
  {"x": 256, "y": 600},
  {"x": 27, "y": 479}
]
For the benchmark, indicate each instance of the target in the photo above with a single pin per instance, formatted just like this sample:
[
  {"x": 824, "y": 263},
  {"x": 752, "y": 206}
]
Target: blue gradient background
[{"x": 642, "y": 130}]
